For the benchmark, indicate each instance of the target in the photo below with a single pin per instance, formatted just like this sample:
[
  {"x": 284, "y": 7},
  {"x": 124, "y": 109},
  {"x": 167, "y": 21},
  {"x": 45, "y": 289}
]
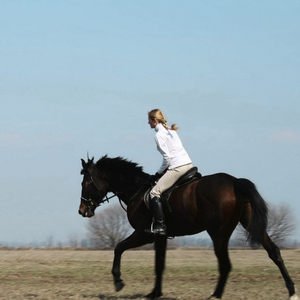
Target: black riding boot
[{"x": 158, "y": 226}]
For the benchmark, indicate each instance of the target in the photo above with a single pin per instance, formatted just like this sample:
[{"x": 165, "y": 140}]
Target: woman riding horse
[{"x": 176, "y": 162}]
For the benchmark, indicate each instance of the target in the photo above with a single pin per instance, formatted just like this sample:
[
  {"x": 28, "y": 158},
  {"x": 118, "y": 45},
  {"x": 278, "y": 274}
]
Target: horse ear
[
  {"x": 91, "y": 161},
  {"x": 83, "y": 164}
]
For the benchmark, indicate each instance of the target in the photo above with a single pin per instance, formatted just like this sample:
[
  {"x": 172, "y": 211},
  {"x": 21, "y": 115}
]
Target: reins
[
  {"x": 116, "y": 194},
  {"x": 131, "y": 199}
]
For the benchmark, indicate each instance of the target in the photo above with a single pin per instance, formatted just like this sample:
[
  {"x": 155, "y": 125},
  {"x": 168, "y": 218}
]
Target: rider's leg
[{"x": 165, "y": 182}]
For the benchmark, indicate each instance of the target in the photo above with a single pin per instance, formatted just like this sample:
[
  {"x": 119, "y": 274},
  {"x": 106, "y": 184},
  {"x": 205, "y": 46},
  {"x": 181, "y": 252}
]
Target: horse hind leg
[{"x": 275, "y": 255}]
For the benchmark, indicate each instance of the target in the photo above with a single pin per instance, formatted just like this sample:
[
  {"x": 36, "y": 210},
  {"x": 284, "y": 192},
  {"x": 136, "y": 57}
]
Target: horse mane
[{"x": 125, "y": 170}]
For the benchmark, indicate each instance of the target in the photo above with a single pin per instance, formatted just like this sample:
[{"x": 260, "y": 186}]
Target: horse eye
[{"x": 84, "y": 184}]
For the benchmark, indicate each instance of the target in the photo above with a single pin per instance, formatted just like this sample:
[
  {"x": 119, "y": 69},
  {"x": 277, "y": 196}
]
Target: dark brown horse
[{"x": 214, "y": 203}]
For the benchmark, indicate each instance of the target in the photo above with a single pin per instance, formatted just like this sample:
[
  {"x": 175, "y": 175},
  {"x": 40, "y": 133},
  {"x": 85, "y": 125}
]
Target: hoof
[
  {"x": 154, "y": 295},
  {"x": 212, "y": 297},
  {"x": 294, "y": 297},
  {"x": 119, "y": 285}
]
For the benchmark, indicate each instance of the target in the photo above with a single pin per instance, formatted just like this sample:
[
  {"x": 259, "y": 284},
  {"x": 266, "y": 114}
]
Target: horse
[{"x": 215, "y": 203}]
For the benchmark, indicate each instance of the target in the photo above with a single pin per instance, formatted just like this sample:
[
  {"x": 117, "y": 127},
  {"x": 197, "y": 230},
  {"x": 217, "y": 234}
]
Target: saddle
[{"x": 186, "y": 178}]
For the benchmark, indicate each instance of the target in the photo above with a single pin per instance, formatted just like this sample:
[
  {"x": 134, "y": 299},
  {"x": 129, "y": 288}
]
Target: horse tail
[{"x": 258, "y": 222}]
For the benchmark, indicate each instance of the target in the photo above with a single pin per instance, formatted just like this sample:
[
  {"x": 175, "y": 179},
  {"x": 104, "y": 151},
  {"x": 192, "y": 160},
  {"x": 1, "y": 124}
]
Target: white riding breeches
[{"x": 168, "y": 179}]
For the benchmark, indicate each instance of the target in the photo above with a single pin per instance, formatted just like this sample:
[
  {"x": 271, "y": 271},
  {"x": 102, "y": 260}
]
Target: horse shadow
[{"x": 136, "y": 296}]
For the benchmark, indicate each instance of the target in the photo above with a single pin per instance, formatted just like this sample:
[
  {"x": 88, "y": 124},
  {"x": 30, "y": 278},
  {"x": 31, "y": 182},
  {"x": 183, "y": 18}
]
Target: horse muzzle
[{"x": 86, "y": 213}]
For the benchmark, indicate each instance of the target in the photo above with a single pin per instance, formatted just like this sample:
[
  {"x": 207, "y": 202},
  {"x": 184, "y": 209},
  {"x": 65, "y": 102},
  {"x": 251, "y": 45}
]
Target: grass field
[{"x": 190, "y": 274}]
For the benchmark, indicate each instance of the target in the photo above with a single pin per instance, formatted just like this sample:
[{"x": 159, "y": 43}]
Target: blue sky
[{"x": 80, "y": 76}]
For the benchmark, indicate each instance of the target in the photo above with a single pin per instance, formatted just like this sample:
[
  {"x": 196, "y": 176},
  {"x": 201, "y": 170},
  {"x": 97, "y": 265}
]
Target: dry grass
[{"x": 190, "y": 274}]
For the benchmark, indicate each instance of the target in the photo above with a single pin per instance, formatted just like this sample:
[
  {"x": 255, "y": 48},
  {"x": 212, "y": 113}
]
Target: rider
[{"x": 176, "y": 162}]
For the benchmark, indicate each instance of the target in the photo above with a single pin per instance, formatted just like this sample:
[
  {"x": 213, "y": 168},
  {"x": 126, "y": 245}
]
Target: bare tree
[
  {"x": 281, "y": 224},
  {"x": 73, "y": 240},
  {"x": 108, "y": 227}
]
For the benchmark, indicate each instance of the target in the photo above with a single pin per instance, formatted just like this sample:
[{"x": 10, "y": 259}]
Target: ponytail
[
  {"x": 174, "y": 127},
  {"x": 158, "y": 114}
]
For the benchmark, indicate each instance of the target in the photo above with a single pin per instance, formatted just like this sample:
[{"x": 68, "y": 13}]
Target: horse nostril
[{"x": 79, "y": 211}]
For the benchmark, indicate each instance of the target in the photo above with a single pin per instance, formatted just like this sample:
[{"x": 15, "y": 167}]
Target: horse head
[{"x": 93, "y": 189}]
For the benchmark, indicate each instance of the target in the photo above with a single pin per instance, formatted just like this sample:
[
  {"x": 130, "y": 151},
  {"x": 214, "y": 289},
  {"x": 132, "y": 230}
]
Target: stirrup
[
  {"x": 150, "y": 231},
  {"x": 158, "y": 231}
]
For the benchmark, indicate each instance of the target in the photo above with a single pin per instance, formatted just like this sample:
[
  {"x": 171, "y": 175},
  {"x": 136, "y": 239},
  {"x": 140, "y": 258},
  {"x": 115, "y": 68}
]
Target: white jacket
[{"x": 170, "y": 146}]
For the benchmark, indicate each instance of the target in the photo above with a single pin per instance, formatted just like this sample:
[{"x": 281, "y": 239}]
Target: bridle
[{"x": 90, "y": 202}]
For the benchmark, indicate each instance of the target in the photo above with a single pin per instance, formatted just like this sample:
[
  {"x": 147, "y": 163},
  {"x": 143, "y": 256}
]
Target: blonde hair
[{"x": 160, "y": 117}]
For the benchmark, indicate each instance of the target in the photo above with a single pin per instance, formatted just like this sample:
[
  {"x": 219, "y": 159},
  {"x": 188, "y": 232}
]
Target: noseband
[{"x": 91, "y": 203}]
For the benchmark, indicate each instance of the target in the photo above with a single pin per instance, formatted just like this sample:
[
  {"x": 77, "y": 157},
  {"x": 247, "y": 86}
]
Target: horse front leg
[
  {"x": 160, "y": 257},
  {"x": 136, "y": 239}
]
